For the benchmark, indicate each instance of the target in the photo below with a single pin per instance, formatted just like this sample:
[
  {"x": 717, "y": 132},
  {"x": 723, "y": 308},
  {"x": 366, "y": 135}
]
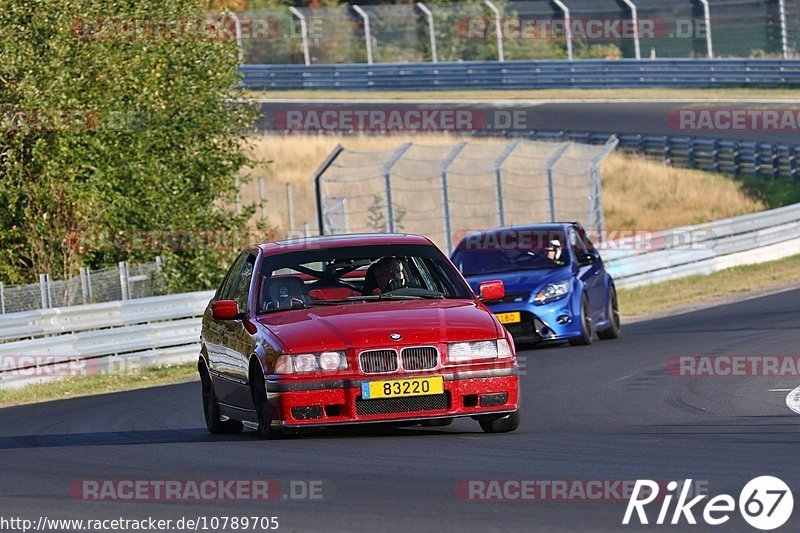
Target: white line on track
[
  {"x": 780, "y": 390},
  {"x": 793, "y": 400}
]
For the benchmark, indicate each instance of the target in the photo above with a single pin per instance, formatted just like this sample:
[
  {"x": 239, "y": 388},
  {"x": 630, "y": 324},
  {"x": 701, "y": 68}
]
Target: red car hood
[{"x": 361, "y": 325}]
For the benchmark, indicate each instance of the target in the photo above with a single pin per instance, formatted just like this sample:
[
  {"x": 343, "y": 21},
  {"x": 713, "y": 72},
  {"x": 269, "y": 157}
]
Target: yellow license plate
[
  {"x": 509, "y": 318},
  {"x": 402, "y": 387}
]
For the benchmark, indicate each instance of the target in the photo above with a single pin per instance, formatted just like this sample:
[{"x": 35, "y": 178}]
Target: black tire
[
  {"x": 612, "y": 331},
  {"x": 504, "y": 424},
  {"x": 214, "y": 425},
  {"x": 585, "y": 339},
  {"x": 258, "y": 388}
]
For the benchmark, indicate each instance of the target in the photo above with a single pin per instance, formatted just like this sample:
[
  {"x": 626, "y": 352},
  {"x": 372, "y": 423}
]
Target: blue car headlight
[{"x": 552, "y": 292}]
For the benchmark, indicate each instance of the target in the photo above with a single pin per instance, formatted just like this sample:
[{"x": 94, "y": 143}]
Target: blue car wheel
[
  {"x": 612, "y": 331},
  {"x": 585, "y": 338}
]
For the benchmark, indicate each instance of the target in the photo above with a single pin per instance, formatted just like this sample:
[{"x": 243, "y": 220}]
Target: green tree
[{"x": 114, "y": 126}]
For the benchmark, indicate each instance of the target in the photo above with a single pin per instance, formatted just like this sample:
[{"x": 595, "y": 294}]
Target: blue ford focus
[{"x": 556, "y": 287}]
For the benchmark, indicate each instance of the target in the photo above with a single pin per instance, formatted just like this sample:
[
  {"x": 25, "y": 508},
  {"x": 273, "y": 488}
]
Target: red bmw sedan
[{"x": 354, "y": 329}]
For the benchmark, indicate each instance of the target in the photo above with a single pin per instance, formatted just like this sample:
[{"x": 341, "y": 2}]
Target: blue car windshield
[
  {"x": 489, "y": 258},
  {"x": 494, "y": 262}
]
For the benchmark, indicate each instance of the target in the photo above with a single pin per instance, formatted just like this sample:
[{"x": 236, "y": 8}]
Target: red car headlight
[
  {"x": 461, "y": 352},
  {"x": 311, "y": 362}
]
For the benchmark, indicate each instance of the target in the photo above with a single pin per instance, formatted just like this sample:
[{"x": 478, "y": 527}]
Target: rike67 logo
[{"x": 765, "y": 503}]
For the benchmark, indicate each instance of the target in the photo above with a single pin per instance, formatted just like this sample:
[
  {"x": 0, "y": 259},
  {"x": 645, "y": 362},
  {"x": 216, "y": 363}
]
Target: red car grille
[
  {"x": 378, "y": 361},
  {"x": 385, "y": 406},
  {"x": 423, "y": 358}
]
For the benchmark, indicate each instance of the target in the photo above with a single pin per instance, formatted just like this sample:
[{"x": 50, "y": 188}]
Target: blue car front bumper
[{"x": 555, "y": 321}]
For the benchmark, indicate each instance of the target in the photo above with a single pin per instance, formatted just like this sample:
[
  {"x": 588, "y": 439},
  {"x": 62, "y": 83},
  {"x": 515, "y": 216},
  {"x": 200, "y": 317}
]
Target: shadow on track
[{"x": 182, "y": 436}]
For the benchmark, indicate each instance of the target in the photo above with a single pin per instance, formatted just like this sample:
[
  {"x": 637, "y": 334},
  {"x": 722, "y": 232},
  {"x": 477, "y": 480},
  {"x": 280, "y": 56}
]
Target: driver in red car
[{"x": 388, "y": 275}]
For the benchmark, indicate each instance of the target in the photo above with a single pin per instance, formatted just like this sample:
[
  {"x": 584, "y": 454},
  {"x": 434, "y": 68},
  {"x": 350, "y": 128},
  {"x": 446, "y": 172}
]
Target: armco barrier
[
  {"x": 732, "y": 157},
  {"x": 610, "y": 74},
  {"x": 105, "y": 337},
  {"x": 707, "y": 248}
]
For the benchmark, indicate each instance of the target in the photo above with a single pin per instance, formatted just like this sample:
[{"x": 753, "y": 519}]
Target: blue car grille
[{"x": 515, "y": 297}]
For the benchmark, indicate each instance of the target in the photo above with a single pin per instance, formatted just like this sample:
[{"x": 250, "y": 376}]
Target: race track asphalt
[
  {"x": 492, "y": 116},
  {"x": 610, "y": 411}
]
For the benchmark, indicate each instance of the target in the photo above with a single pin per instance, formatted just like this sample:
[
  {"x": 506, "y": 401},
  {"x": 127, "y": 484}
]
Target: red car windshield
[{"x": 357, "y": 274}]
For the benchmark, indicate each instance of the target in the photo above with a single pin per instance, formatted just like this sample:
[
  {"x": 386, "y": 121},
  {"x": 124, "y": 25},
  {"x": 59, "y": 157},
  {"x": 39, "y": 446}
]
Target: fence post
[
  {"x": 84, "y": 286},
  {"x": 89, "y": 284},
  {"x": 498, "y": 173},
  {"x": 500, "y": 53},
  {"x": 387, "y": 184},
  {"x": 290, "y": 205},
  {"x": 448, "y": 236},
  {"x": 306, "y": 230},
  {"x": 784, "y": 34},
  {"x": 635, "y": 20},
  {"x": 44, "y": 290},
  {"x": 238, "y": 200},
  {"x": 707, "y": 17},
  {"x": 367, "y": 33},
  {"x": 338, "y": 149},
  {"x": 262, "y": 196},
  {"x": 551, "y": 163},
  {"x": 123, "y": 279},
  {"x": 237, "y": 25},
  {"x": 431, "y": 30},
  {"x": 2, "y": 300},
  {"x": 303, "y": 33},
  {"x": 596, "y": 202},
  {"x": 567, "y": 23}
]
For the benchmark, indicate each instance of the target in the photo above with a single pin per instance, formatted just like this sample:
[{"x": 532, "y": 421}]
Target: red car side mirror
[
  {"x": 492, "y": 290},
  {"x": 225, "y": 310}
]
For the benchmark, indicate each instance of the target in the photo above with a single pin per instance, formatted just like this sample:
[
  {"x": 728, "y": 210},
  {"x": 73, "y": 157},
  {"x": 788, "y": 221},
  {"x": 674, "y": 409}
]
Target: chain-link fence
[
  {"x": 122, "y": 282},
  {"x": 445, "y": 191},
  {"x": 522, "y": 30}
]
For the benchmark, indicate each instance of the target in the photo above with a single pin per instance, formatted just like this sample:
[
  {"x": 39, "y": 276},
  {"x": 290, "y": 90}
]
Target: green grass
[
  {"x": 99, "y": 384},
  {"x": 774, "y": 193},
  {"x": 542, "y": 94},
  {"x": 737, "y": 281}
]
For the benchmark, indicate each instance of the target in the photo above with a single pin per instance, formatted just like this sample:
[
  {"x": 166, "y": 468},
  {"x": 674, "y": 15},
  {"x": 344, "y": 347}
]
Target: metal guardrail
[
  {"x": 48, "y": 344},
  {"x": 608, "y": 74},
  {"x": 732, "y": 157},
  {"x": 707, "y": 248}
]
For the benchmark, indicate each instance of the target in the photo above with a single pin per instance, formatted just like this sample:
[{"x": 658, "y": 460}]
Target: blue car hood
[{"x": 523, "y": 280}]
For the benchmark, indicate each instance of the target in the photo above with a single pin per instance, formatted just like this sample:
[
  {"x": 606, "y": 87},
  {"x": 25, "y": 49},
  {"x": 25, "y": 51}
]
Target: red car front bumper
[{"x": 335, "y": 402}]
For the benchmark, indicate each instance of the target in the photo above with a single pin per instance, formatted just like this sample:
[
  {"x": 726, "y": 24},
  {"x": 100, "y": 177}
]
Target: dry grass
[
  {"x": 739, "y": 282},
  {"x": 638, "y": 193}
]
